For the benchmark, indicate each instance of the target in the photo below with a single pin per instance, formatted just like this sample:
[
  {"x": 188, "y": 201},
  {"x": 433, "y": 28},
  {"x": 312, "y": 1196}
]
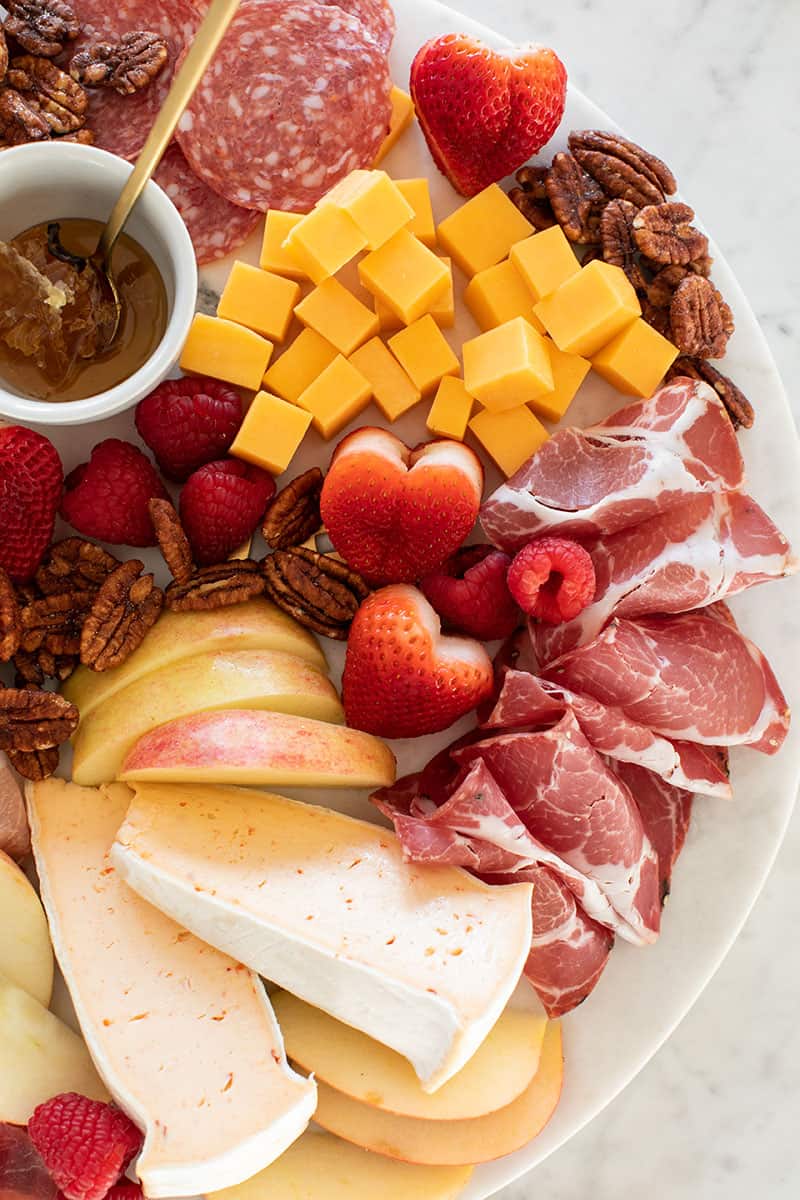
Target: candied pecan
[
  {"x": 20, "y": 122},
  {"x": 10, "y": 619},
  {"x": 44, "y": 86},
  {"x": 34, "y": 720},
  {"x": 701, "y": 321},
  {"x": 41, "y": 26},
  {"x": 621, "y": 167},
  {"x": 74, "y": 563},
  {"x": 664, "y": 234},
  {"x": 533, "y": 181},
  {"x": 294, "y": 514},
  {"x": 738, "y": 407},
  {"x": 3, "y": 55},
  {"x": 124, "y": 611},
  {"x": 84, "y": 137},
  {"x": 127, "y": 66},
  {"x": 576, "y": 199},
  {"x": 531, "y": 197},
  {"x": 35, "y": 765},
  {"x": 54, "y": 623},
  {"x": 172, "y": 541},
  {"x": 657, "y": 317},
  {"x": 319, "y": 591},
  {"x": 28, "y": 670},
  {"x": 616, "y": 234},
  {"x": 218, "y": 586},
  {"x": 661, "y": 287}
]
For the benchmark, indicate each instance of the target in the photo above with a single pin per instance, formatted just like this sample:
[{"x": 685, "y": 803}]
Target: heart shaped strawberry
[
  {"x": 31, "y": 477},
  {"x": 393, "y": 513},
  {"x": 485, "y": 112},
  {"x": 402, "y": 678}
]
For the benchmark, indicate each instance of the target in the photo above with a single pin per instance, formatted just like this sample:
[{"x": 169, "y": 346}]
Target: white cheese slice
[
  {"x": 184, "y": 1038},
  {"x": 420, "y": 958}
]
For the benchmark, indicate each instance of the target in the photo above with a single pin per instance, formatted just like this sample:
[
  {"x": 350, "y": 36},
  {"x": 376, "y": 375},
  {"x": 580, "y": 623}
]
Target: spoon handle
[{"x": 208, "y": 37}]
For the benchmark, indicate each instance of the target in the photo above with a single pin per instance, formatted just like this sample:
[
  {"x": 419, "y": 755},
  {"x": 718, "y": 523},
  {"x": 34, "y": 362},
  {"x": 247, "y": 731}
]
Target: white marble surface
[{"x": 712, "y": 85}]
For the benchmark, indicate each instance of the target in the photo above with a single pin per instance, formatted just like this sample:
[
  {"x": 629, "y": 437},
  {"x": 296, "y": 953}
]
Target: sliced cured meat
[
  {"x": 666, "y": 813},
  {"x": 121, "y": 123},
  {"x": 643, "y": 460},
  {"x": 377, "y": 16},
  {"x": 297, "y": 97},
  {"x": 23, "y": 1175},
  {"x": 215, "y": 225},
  {"x": 693, "y": 676}
]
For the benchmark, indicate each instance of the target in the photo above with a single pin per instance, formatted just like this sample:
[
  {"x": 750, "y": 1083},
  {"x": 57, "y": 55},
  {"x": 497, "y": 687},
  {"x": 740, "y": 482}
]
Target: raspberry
[
  {"x": 31, "y": 478},
  {"x": 221, "y": 504},
  {"x": 552, "y": 579},
  {"x": 107, "y": 498},
  {"x": 126, "y": 1191},
  {"x": 188, "y": 423},
  {"x": 86, "y": 1145},
  {"x": 470, "y": 593}
]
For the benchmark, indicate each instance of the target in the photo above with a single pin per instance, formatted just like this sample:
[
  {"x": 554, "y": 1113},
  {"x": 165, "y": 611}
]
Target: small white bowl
[{"x": 55, "y": 180}]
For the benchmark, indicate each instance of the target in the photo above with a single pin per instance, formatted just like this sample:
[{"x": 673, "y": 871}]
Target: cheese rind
[{"x": 227, "y": 351}]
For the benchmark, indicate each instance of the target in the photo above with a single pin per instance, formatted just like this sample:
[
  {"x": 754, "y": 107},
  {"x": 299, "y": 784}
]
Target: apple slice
[
  {"x": 40, "y": 1057},
  {"x": 26, "y": 956},
  {"x": 319, "y": 1165},
  {"x": 257, "y": 625},
  {"x": 250, "y": 679},
  {"x": 259, "y": 749},
  {"x": 451, "y": 1143},
  {"x": 349, "y": 1061}
]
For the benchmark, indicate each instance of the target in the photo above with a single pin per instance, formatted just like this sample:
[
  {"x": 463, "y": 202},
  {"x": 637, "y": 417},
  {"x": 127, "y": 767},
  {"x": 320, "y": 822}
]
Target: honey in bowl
[{"x": 52, "y": 314}]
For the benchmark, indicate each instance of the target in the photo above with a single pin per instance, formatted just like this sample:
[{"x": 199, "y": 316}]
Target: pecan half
[
  {"x": 84, "y": 137},
  {"x": 657, "y": 317},
  {"x": 3, "y": 55},
  {"x": 531, "y": 197},
  {"x": 45, "y": 87},
  {"x": 127, "y": 66},
  {"x": 124, "y": 611},
  {"x": 34, "y": 720},
  {"x": 54, "y": 623},
  {"x": 20, "y": 122},
  {"x": 576, "y": 199},
  {"x": 10, "y": 619},
  {"x": 662, "y": 286},
  {"x": 294, "y": 514},
  {"x": 622, "y": 168},
  {"x": 35, "y": 765},
  {"x": 41, "y": 26},
  {"x": 74, "y": 563},
  {"x": 664, "y": 233},
  {"x": 616, "y": 235},
  {"x": 319, "y": 591},
  {"x": 701, "y": 321},
  {"x": 218, "y": 586},
  {"x": 172, "y": 541},
  {"x": 738, "y": 407}
]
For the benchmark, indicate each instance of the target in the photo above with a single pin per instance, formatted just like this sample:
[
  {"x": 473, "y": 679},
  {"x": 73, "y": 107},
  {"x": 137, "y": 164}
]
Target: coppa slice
[
  {"x": 26, "y": 956},
  {"x": 420, "y": 959},
  {"x": 184, "y": 1037}
]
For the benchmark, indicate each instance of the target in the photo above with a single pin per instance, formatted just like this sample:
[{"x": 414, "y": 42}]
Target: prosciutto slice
[
  {"x": 666, "y": 812},
  {"x": 645, "y": 459}
]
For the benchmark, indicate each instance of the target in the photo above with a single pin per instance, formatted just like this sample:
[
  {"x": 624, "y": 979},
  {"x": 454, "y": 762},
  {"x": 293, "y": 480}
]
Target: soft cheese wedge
[
  {"x": 184, "y": 1038},
  {"x": 26, "y": 956},
  {"x": 422, "y": 959}
]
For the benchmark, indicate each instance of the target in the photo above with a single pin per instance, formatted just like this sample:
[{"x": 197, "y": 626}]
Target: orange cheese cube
[
  {"x": 481, "y": 232},
  {"x": 507, "y": 366},
  {"x": 299, "y": 365},
  {"x": 405, "y": 275},
  {"x": 443, "y": 308},
  {"x": 338, "y": 315},
  {"x": 418, "y": 194},
  {"x": 271, "y": 433},
  {"x": 226, "y": 351},
  {"x": 324, "y": 241},
  {"x": 424, "y": 354},
  {"x": 277, "y": 228},
  {"x": 260, "y": 300},
  {"x": 392, "y": 389},
  {"x": 636, "y": 360},
  {"x": 401, "y": 118},
  {"x": 569, "y": 372},
  {"x": 589, "y": 309},
  {"x": 499, "y": 294},
  {"x": 451, "y": 409},
  {"x": 374, "y": 203},
  {"x": 510, "y": 437},
  {"x": 545, "y": 261},
  {"x": 336, "y": 396}
]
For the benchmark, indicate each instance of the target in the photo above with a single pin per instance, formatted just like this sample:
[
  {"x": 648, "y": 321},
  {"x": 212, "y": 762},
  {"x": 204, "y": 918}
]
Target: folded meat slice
[
  {"x": 643, "y": 460},
  {"x": 666, "y": 813}
]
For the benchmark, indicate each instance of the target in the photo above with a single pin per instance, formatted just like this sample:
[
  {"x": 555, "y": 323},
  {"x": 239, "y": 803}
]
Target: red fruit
[
  {"x": 107, "y": 497},
  {"x": 552, "y": 579},
  {"x": 485, "y": 112},
  {"x": 221, "y": 504},
  {"x": 401, "y": 677},
  {"x": 126, "y": 1191},
  {"x": 470, "y": 593},
  {"x": 395, "y": 514},
  {"x": 23, "y": 1175},
  {"x": 188, "y": 423},
  {"x": 31, "y": 478},
  {"x": 85, "y": 1144}
]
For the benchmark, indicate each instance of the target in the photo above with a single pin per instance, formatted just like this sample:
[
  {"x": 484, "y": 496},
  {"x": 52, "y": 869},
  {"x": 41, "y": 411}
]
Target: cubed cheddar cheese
[
  {"x": 260, "y": 300},
  {"x": 510, "y": 437},
  {"x": 418, "y": 194},
  {"x": 338, "y": 315},
  {"x": 589, "y": 309},
  {"x": 299, "y": 365},
  {"x": 499, "y": 294},
  {"x": 271, "y": 433},
  {"x": 545, "y": 261},
  {"x": 443, "y": 308},
  {"x": 481, "y": 232},
  {"x": 401, "y": 118},
  {"x": 636, "y": 360},
  {"x": 569, "y": 372},
  {"x": 277, "y": 228},
  {"x": 336, "y": 396},
  {"x": 424, "y": 353},
  {"x": 508, "y": 366},
  {"x": 405, "y": 275},
  {"x": 451, "y": 409},
  {"x": 392, "y": 389},
  {"x": 324, "y": 241},
  {"x": 374, "y": 203},
  {"x": 226, "y": 351}
]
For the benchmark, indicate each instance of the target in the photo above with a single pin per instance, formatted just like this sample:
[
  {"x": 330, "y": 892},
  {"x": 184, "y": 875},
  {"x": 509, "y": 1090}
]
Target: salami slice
[
  {"x": 121, "y": 123},
  {"x": 216, "y": 226},
  {"x": 377, "y": 17},
  {"x": 296, "y": 98}
]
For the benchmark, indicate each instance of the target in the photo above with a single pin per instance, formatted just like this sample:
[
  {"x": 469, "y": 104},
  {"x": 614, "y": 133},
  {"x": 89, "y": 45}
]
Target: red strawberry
[
  {"x": 189, "y": 422},
  {"x": 85, "y": 1144},
  {"x": 221, "y": 504},
  {"x": 470, "y": 593},
  {"x": 31, "y": 478},
  {"x": 552, "y": 579},
  {"x": 485, "y": 112},
  {"x": 395, "y": 514},
  {"x": 401, "y": 677},
  {"x": 107, "y": 498}
]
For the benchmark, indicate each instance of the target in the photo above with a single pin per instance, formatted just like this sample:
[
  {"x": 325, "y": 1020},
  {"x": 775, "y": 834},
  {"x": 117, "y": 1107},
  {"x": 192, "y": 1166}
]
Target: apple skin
[
  {"x": 252, "y": 679},
  {"x": 259, "y": 749},
  {"x": 15, "y": 838},
  {"x": 26, "y": 955}
]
